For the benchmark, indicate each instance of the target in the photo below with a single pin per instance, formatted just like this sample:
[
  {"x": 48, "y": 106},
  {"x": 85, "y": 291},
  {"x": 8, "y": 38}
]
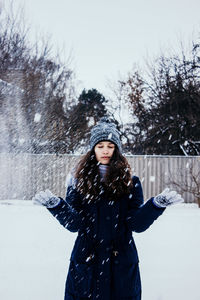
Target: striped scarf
[{"x": 102, "y": 170}]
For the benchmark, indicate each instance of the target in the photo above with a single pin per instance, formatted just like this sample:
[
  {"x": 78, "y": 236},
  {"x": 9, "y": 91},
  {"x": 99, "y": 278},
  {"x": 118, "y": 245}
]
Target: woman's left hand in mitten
[
  {"x": 167, "y": 198},
  {"x": 46, "y": 198}
]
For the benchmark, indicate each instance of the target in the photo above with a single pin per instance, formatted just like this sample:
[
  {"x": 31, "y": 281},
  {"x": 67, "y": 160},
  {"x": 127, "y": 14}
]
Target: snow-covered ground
[{"x": 35, "y": 251}]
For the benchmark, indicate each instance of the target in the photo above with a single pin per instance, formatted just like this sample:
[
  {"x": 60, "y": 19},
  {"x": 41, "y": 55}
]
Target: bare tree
[
  {"x": 42, "y": 89},
  {"x": 165, "y": 105},
  {"x": 188, "y": 180}
]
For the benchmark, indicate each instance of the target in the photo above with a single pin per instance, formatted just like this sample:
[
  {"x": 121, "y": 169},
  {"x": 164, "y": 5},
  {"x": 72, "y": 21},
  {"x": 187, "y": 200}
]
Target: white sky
[{"x": 107, "y": 37}]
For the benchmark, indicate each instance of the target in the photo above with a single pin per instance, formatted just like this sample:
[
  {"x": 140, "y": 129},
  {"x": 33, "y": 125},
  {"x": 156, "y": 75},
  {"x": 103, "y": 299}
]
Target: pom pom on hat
[{"x": 105, "y": 130}]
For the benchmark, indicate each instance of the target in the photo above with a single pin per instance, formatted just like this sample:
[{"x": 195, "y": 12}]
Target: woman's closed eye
[{"x": 110, "y": 147}]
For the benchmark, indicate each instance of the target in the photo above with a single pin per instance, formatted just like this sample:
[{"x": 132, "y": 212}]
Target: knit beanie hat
[{"x": 105, "y": 130}]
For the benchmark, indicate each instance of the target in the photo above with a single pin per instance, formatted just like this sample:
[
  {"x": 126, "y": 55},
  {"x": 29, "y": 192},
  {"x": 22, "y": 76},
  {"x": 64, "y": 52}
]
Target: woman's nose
[{"x": 105, "y": 150}]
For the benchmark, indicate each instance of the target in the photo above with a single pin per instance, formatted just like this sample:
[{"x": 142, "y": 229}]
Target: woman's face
[{"x": 104, "y": 151}]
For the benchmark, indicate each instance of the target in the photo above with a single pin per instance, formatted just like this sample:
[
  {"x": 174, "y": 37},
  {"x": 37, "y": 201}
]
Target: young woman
[{"x": 104, "y": 204}]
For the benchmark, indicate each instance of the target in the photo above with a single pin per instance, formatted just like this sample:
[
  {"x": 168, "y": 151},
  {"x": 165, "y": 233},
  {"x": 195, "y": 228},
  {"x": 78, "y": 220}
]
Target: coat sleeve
[
  {"x": 68, "y": 212},
  {"x": 140, "y": 216}
]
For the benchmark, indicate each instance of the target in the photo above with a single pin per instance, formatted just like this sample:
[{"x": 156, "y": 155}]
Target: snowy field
[{"x": 35, "y": 251}]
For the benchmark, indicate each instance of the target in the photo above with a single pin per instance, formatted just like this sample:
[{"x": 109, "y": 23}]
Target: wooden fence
[{"x": 22, "y": 175}]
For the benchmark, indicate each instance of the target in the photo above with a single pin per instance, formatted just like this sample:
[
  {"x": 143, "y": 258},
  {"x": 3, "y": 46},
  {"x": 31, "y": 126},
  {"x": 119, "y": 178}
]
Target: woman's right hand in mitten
[{"x": 46, "y": 198}]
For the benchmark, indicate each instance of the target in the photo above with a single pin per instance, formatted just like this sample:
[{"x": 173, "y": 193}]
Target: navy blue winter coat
[{"x": 104, "y": 260}]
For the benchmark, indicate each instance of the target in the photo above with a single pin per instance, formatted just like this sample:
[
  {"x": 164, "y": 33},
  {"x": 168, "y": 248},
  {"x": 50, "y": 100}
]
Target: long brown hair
[{"x": 117, "y": 180}]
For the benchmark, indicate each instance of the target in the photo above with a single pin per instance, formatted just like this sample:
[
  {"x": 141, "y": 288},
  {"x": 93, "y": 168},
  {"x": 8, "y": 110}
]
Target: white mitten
[
  {"x": 167, "y": 198},
  {"x": 46, "y": 198}
]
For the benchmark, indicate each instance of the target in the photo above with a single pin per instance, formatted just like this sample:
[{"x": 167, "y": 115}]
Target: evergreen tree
[{"x": 89, "y": 109}]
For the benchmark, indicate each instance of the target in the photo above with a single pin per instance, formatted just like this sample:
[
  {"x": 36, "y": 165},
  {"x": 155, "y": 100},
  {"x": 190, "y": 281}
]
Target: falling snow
[
  {"x": 187, "y": 165},
  {"x": 37, "y": 117},
  {"x": 152, "y": 178}
]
